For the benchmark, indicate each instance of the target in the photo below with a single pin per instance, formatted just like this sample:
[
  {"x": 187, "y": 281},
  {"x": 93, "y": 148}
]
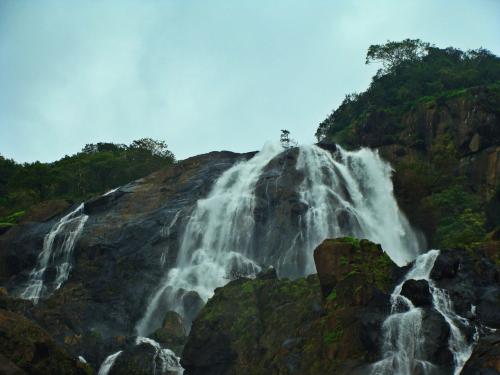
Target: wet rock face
[
  {"x": 418, "y": 292},
  {"x": 437, "y": 333},
  {"x": 485, "y": 359},
  {"x": 473, "y": 282},
  {"x": 277, "y": 192},
  {"x": 127, "y": 245},
  {"x": 145, "y": 358}
]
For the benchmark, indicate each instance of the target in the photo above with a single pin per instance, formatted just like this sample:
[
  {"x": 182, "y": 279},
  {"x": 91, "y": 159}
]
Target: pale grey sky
[{"x": 202, "y": 75}]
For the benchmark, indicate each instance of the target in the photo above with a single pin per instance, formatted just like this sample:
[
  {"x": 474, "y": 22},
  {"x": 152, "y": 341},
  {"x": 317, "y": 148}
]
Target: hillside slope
[{"x": 435, "y": 115}]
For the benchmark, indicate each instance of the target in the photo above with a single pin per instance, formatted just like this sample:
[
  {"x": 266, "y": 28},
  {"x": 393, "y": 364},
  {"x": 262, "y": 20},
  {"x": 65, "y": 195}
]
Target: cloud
[{"x": 201, "y": 75}]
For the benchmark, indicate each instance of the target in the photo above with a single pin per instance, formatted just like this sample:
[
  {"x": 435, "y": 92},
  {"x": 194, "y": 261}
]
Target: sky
[{"x": 200, "y": 75}]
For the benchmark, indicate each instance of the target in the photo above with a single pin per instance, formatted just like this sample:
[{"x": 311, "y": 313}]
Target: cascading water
[
  {"x": 403, "y": 347},
  {"x": 57, "y": 251},
  {"x": 349, "y": 193},
  {"x": 163, "y": 361},
  {"x": 108, "y": 363},
  {"x": 217, "y": 238}
]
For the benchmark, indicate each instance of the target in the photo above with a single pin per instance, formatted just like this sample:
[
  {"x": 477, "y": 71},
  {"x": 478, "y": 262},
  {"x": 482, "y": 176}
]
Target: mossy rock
[
  {"x": 30, "y": 348},
  {"x": 172, "y": 334},
  {"x": 348, "y": 259}
]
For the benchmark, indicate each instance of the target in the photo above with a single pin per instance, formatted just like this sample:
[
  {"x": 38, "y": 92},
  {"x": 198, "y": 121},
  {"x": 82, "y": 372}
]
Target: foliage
[
  {"x": 334, "y": 335},
  {"x": 285, "y": 139},
  {"x": 332, "y": 296},
  {"x": 463, "y": 231},
  {"x": 412, "y": 71},
  {"x": 96, "y": 169},
  {"x": 418, "y": 80},
  {"x": 460, "y": 220},
  {"x": 393, "y": 54}
]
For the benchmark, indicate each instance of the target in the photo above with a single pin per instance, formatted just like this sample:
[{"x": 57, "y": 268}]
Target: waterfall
[
  {"x": 403, "y": 342},
  {"x": 108, "y": 363},
  {"x": 168, "y": 362},
  {"x": 164, "y": 361},
  {"x": 57, "y": 251},
  {"x": 348, "y": 193},
  {"x": 217, "y": 238}
]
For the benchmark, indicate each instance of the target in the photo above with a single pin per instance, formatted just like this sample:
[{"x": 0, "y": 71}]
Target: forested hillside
[
  {"x": 94, "y": 170},
  {"x": 435, "y": 114}
]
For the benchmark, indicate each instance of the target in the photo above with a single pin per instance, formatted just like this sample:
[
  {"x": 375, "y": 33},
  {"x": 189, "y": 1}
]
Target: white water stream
[
  {"x": 403, "y": 349},
  {"x": 57, "y": 252},
  {"x": 164, "y": 361},
  {"x": 346, "y": 194}
]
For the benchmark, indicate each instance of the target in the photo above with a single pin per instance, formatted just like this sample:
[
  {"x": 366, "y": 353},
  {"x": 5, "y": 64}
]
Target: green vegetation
[
  {"x": 412, "y": 71},
  {"x": 94, "y": 170},
  {"x": 332, "y": 296},
  {"x": 351, "y": 240},
  {"x": 420, "y": 84},
  {"x": 459, "y": 216},
  {"x": 334, "y": 336}
]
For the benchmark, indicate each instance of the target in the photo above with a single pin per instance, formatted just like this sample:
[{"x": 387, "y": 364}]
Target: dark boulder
[
  {"x": 146, "y": 358},
  {"x": 436, "y": 332},
  {"x": 269, "y": 274},
  {"x": 252, "y": 326},
  {"x": 172, "y": 334},
  {"x": 338, "y": 259},
  {"x": 446, "y": 266},
  {"x": 418, "y": 292},
  {"x": 192, "y": 305},
  {"x": 329, "y": 146}
]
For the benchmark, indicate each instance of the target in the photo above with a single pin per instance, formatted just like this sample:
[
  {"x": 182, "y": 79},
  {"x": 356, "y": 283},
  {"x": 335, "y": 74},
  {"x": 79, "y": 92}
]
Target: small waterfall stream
[
  {"x": 57, "y": 251},
  {"x": 164, "y": 361},
  {"x": 403, "y": 347}
]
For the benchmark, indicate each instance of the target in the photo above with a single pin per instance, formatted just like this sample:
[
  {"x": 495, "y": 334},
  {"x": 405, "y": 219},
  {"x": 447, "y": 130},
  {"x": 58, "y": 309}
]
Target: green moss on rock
[{"x": 30, "y": 348}]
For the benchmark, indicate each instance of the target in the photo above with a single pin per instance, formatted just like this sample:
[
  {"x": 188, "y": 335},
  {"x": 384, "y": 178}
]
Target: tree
[
  {"x": 96, "y": 169},
  {"x": 285, "y": 138},
  {"x": 153, "y": 147},
  {"x": 392, "y": 54}
]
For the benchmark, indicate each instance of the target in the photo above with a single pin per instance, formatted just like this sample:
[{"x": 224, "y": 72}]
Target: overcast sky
[{"x": 201, "y": 75}]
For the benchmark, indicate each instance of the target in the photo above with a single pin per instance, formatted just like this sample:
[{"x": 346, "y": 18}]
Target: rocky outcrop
[
  {"x": 328, "y": 323},
  {"x": 172, "y": 334},
  {"x": 27, "y": 348}
]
